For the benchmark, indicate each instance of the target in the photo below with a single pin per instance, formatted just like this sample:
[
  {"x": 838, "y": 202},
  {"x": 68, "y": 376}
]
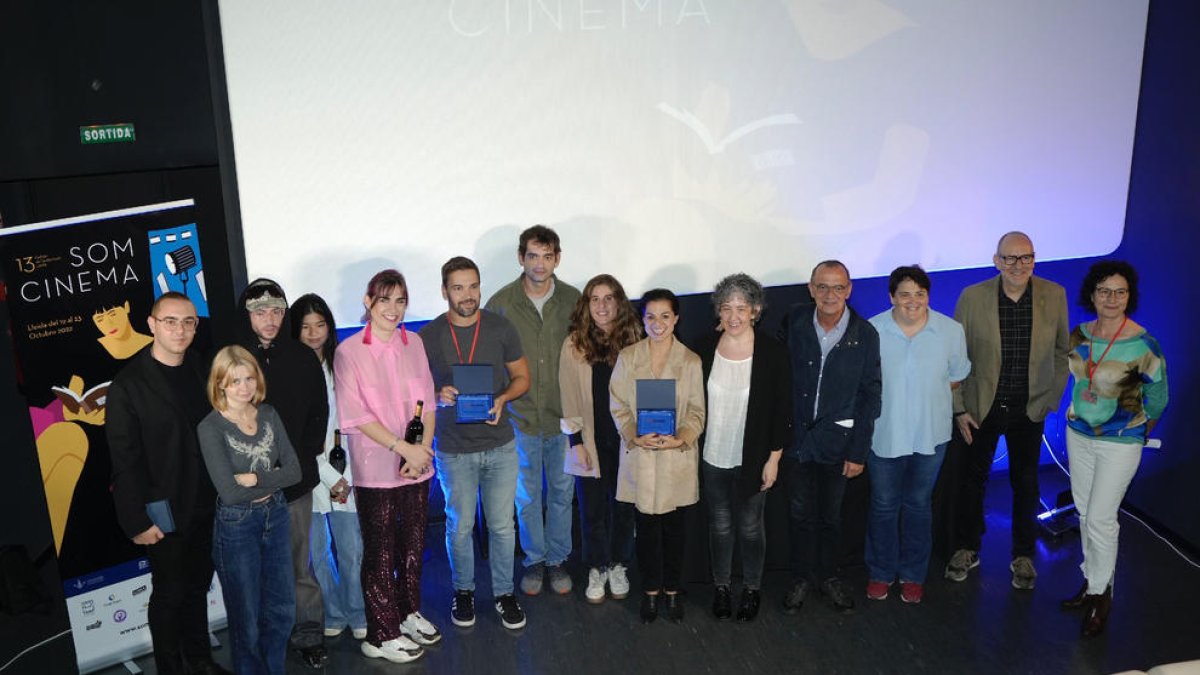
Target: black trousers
[
  {"x": 607, "y": 523},
  {"x": 660, "y": 542},
  {"x": 181, "y": 570},
  {"x": 815, "y": 493},
  {"x": 1023, "y": 437}
]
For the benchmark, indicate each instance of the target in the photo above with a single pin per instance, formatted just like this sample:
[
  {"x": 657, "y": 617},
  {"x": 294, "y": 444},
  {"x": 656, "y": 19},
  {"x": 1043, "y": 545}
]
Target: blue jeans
[
  {"x": 900, "y": 525},
  {"x": 336, "y": 561},
  {"x": 253, "y": 560},
  {"x": 549, "y": 543},
  {"x": 465, "y": 478}
]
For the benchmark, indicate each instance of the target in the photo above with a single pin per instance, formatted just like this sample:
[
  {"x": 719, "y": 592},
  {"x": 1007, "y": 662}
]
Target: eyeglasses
[
  {"x": 1010, "y": 260},
  {"x": 1106, "y": 293},
  {"x": 174, "y": 323},
  {"x": 823, "y": 289}
]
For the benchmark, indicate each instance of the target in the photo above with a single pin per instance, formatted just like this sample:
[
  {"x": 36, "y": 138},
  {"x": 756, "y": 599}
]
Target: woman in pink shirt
[{"x": 382, "y": 377}]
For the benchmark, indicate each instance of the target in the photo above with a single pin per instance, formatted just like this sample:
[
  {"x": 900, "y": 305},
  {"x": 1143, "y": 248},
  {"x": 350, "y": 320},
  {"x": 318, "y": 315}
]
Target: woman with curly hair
[
  {"x": 1118, "y": 395},
  {"x": 602, "y": 324}
]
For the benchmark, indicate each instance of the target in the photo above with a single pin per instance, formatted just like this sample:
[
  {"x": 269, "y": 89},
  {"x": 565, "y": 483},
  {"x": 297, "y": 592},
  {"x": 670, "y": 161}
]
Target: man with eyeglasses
[
  {"x": 836, "y": 387},
  {"x": 296, "y": 389},
  {"x": 154, "y": 405},
  {"x": 1017, "y": 341}
]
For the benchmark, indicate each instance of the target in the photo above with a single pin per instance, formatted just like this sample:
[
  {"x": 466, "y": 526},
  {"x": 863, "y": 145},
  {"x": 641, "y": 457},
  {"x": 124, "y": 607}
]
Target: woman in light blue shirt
[{"x": 923, "y": 355}]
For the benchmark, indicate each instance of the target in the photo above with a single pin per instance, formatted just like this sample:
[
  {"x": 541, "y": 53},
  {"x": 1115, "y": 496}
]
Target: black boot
[
  {"x": 748, "y": 607},
  {"x": 722, "y": 603},
  {"x": 649, "y": 611},
  {"x": 1075, "y": 601},
  {"x": 1095, "y": 614},
  {"x": 675, "y": 607}
]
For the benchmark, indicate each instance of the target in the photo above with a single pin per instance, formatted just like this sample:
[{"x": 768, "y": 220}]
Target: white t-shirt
[{"x": 728, "y": 398}]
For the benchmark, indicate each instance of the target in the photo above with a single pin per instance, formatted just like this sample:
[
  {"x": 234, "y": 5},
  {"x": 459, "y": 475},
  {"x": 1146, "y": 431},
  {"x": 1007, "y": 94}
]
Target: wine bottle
[
  {"x": 337, "y": 455},
  {"x": 414, "y": 433}
]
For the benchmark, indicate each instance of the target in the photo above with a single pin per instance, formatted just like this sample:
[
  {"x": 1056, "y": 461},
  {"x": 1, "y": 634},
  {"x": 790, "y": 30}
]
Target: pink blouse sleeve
[{"x": 352, "y": 407}]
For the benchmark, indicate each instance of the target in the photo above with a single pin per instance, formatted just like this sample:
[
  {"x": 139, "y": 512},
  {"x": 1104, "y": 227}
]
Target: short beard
[{"x": 464, "y": 314}]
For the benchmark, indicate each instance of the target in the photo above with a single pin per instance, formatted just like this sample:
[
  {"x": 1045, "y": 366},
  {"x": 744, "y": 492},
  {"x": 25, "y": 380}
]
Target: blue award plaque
[
  {"x": 161, "y": 515},
  {"x": 656, "y": 407},
  {"x": 475, "y": 399}
]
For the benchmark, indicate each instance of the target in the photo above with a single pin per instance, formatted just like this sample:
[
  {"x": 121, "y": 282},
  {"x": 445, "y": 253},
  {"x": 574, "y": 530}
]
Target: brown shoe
[
  {"x": 1095, "y": 615},
  {"x": 1075, "y": 601}
]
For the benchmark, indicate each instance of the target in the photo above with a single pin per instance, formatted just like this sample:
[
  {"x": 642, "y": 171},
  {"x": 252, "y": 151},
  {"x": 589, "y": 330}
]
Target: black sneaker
[
  {"x": 794, "y": 600},
  {"x": 462, "y": 608},
  {"x": 511, "y": 614},
  {"x": 314, "y": 657},
  {"x": 832, "y": 589}
]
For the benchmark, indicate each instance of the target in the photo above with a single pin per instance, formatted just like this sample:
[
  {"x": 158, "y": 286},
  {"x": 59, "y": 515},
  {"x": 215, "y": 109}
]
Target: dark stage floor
[{"x": 979, "y": 626}]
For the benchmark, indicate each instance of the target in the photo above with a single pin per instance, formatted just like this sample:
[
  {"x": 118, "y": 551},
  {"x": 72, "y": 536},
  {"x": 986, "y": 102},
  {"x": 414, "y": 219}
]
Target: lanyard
[
  {"x": 474, "y": 340},
  {"x": 1091, "y": 367}
]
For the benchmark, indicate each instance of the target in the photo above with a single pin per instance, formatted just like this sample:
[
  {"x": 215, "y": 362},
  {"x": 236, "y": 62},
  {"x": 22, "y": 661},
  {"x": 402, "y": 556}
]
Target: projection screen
[{"x": 671, "y": 142}]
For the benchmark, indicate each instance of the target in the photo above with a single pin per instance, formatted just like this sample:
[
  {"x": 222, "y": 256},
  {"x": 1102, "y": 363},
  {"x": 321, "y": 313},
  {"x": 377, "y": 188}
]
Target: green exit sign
[{"x": 106, "y": 133}]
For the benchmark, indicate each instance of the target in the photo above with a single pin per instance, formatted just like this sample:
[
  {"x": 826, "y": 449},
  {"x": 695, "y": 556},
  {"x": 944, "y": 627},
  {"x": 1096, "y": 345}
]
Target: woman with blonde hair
[{"x": 250, "y": 460}]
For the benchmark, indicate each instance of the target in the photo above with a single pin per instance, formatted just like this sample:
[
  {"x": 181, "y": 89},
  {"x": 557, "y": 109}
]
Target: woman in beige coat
[
  {"x": 659, "y": 474},
  {"x": 603, "y": 323}
]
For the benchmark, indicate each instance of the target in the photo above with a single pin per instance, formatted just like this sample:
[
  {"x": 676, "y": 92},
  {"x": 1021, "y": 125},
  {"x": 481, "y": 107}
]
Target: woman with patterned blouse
[{"x": 1118, "y": 394}]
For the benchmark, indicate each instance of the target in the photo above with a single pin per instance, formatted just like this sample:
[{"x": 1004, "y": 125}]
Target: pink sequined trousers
[{"x": 392, "y": 521}]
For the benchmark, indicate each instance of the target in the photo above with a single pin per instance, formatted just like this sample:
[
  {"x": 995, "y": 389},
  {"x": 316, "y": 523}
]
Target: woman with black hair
[
  {"x": 334, "y": 538},
  {"x": 659, "y": 473},
  {"x": 1118, "y": 395}
]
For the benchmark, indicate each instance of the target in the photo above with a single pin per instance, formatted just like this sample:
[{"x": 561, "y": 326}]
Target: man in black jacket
[
  {"x": 836, "y": 383},
  {"x": 154, "y": 405},
  {"x": 296, "y": 389}
]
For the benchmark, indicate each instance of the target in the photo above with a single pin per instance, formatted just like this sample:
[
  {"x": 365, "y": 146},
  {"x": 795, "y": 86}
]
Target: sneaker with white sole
[
  {"x": 618, "y": 582},
  {"x": 595, "y": 588},
  {"x": 511, "y": 614},
  {"x": 531, "y": 581},
  {"x": 963, "y": 561},
  {"x": 560, "y": 579},
  {"x": 462, "y": 608},
  {"x": 1024, "y": 575},
  {"x": 334, "y": 632},
  {"x": 359, "y": 633},
  {"x": 420, "y": 630},
  {"x": 399, "y": 650}
]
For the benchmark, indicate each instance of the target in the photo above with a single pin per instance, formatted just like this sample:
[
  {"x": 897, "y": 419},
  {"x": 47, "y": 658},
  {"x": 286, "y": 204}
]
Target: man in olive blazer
[{"x": 1016, "y": 326}]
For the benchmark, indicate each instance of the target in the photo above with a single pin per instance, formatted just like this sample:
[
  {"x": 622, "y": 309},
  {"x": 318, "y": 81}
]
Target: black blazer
[
  {"x": 153, "y": 445},
  {"x": 850, "y": 388},
  {"x": 769, "y": 411}
]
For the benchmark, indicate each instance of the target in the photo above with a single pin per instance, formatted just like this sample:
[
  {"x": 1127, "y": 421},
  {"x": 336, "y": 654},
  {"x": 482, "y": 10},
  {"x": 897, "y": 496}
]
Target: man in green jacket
[{"x": 540, "y": 307}]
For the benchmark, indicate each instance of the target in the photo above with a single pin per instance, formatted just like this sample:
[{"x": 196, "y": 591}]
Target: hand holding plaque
[{"x": 656, "y": 407}]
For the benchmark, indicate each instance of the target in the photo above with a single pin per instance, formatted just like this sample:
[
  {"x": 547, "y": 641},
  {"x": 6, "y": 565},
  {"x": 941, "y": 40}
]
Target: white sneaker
[
  {"x": 334, "y": 632},
  {"x": 595, "y": 587},
  {"x": 419, "y": 629},
  {"x": 618, "y": 583},
  {"x": 359, "y": 633},
  {"x": 399, "y": 650}
]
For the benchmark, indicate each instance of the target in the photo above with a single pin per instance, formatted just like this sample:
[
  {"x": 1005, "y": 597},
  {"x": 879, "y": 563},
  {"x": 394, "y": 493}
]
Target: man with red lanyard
[{"x": 476, "y": 462}]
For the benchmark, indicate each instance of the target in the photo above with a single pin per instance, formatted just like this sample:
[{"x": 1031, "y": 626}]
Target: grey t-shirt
[
  {"x": 498, "y": 344},
  {"x": 267, "y": 453}
]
